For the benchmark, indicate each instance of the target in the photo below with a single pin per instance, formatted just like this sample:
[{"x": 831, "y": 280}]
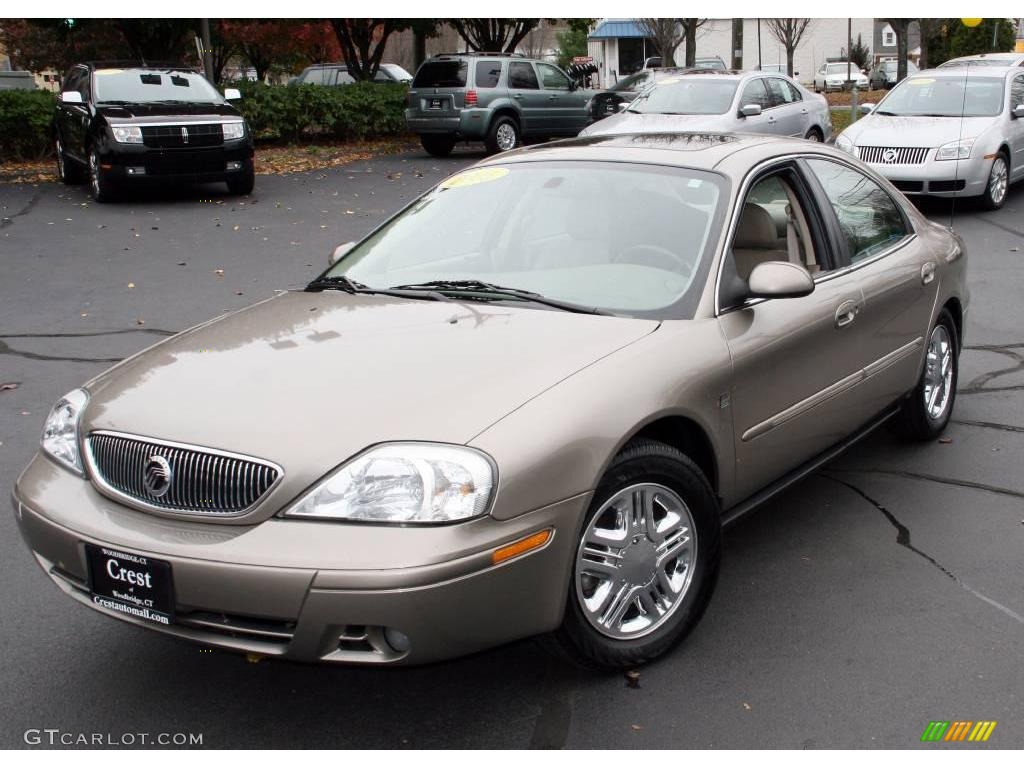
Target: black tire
[
  {"x": 914, "y": 421},
  {"x": 647, "y": 461},
  {"x": 814, "y": 134},
  {"x": 991, "y": 199},
  {"x": 501, "y": 128},
  {"x": 438, "y": 146},
  {"x": 243, "y": 183},
  {"x": 68, "y": 171},
  {"x": 100, "y": 184}
]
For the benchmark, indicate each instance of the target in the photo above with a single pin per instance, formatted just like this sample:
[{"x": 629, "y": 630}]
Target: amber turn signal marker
[{"x": 516, "y": 548}]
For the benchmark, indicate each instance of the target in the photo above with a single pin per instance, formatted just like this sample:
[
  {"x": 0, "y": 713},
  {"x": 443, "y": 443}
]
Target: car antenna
[{"x": 959, "y": 138}]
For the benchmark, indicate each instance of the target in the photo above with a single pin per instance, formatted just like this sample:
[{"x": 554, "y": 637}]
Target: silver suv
[{"x": 497, "y": 98}]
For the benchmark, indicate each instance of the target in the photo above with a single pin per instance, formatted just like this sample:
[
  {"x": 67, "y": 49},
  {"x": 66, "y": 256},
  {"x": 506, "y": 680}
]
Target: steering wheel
[{"x": 656, "y": 256}]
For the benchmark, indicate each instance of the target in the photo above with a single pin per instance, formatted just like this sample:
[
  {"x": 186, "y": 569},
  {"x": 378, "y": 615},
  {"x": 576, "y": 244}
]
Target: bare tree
[
  {"x": 494, "y": 35},
  {"x": 789, "y": 32},
  {"x": 690, "y": 27},
  {"x": 900, "y": 27},
  {"x": 666, "y": 34}
]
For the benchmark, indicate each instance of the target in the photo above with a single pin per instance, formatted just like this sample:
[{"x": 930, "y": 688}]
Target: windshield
[
  {"x": 979, "y": 63},
  {"x": 623, "y": 238},
  {"x": 135, "y": 86},
  {"x": 701, "y": 95},
  {"x": 945, "y": 97},
  {"x": 840, "y": 69},
  {"x": 893, "y": 66}
]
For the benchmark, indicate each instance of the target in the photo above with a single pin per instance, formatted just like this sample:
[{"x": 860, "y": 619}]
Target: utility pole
[
  {"x": 759, "y": 44},
  {"x": 737, "y": 43},
  {"x": 204, "y": 29}
]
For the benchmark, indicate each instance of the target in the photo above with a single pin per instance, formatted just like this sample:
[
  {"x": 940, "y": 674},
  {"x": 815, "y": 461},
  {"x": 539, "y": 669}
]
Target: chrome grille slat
[
  {"x": 896, "y": 155},
  {"x": 204, "y": 481}
]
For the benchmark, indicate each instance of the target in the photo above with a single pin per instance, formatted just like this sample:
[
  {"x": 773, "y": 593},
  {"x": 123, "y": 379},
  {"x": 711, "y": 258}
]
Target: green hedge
[
  {"x": 25, "y": 120},
  {"x": 289, "y": 112}
]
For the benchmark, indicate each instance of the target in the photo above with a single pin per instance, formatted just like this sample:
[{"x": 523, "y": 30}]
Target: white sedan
[{"x": 836, "y": 76}]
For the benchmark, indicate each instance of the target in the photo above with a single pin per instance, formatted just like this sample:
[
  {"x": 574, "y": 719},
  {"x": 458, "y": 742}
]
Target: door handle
[
  {"x": 517, "y": 96},
  {"x": 552, "y": 98},
  {"x": 927, "y": 272},
  {"x": 847, "y": 313}
]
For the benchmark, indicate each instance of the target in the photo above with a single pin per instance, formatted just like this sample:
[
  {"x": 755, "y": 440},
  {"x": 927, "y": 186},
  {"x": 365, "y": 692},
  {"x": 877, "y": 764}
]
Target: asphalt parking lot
[{"x": 879, "y": 594}]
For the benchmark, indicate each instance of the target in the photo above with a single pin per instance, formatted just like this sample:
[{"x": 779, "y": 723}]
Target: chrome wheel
[
  {"x": 94, "y": 173},
  {"x": 998, "y": 180},
  {"x": 506, "y": 137},
  {"x": 60, "y": 161},
  {"x": 635, "y": 561},
  {"x": 938, "y": 373}
]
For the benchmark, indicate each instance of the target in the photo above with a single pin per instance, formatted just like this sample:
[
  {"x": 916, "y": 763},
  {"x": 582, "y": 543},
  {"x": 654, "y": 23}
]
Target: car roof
[
  {"x": 1008, "y": 56},
  {"x": 962, "y": 72},
  {"x": 683, "y": 149}
]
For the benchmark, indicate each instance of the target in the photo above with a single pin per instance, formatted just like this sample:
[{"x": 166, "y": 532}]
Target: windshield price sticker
[{"x": 475, "y": 176}]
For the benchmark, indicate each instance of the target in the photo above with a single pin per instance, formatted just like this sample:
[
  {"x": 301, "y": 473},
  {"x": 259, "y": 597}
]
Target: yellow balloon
[{"x": 971, "y": 22}]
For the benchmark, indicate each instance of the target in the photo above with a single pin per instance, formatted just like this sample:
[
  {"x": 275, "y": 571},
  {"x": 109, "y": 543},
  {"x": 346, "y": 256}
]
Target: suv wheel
[
  {"x": 243, "y": 183},
  {"x": 438, "y": 146},
  {"x": 68, "y": 171},
  {"x": 99, "y": 181},
  {"x": 503, "y": 135},
  {"x": 646, "y": 562}
]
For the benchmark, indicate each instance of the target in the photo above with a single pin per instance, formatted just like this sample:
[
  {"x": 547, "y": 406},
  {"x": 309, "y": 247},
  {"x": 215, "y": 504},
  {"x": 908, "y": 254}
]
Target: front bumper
[
  {"x": 939, "y": 178},
  {"x": 276, "y": 589},
  {"x": 123, "y": 162}
]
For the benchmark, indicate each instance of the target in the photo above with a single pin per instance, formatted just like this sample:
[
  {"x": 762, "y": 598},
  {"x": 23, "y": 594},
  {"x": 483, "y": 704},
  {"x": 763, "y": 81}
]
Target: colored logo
[
  {"x": 156, "y": 478},
  {"x": 958, "y": 730}
]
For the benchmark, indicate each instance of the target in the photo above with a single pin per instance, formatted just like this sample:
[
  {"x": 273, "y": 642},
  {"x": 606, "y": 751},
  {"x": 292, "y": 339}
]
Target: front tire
[
  {"x": 68, "y": 171},
  {"x": 437, "y": 146},
  {"x": 242, "y": 184},
  {"x": 100, "y": 184},
  {"x": 998, "y": 183},
  {"x": 502, "y": 136},
  {"x": 814, "y": 134},
  {"x": 646, "y": 562},
  {"x": 926, "y": 412}
]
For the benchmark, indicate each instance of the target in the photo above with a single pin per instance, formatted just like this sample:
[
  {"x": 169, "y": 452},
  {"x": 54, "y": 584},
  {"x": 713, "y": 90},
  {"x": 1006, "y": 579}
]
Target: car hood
[
  {"x": 159, "y": 113},
  {"x": 893, "y": 131},
  {"x": 632, "y": 122},
  {"x": 307, "y": 380}
]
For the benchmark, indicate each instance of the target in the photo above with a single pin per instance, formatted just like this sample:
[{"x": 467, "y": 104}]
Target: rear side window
[
  {"x": 487, "y": 74},
  {"x": 1017, "y": 91},
  {"x": 442, "y": 74},
  {"x": 521, "y": 75}
]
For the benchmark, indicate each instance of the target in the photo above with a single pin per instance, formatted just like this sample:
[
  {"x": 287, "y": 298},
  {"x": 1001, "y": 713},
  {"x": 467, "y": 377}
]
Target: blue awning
[{"x": 612, "y": 29}]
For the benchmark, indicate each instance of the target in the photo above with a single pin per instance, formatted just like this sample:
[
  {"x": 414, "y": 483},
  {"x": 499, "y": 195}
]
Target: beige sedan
[{"x": 503, "y": 413}]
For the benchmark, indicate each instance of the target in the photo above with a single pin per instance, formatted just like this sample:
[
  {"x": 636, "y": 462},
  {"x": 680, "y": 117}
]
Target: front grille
[
  {"x": 907, "y": 186},
  {"x": 201, "y": 481},
  {"x": 946, "y": 186},
  {"x": 189, "y": 135},
  {"x": 893, "y": 155}
]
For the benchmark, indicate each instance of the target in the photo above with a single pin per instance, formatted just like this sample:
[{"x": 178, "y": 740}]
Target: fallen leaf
[
  {"x": 235, "y": 227},
  {"x": 182, "y": 263},
  {"x": 139, "y": 321},
  {"x": 945, "y": 440},
  {"x": 9, "y": 385},
  {"x": 219, "y": 272},
  {"x": 131, "y": 285},
  {"x": 636, "y": 727},
  {"x": 85, "y": 314},
  {"x": 746, "y": 706},
  {"x": 633, "y": 679}
]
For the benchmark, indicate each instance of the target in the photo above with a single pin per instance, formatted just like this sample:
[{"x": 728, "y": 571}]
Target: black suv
[{"x": 116, "y": 125}]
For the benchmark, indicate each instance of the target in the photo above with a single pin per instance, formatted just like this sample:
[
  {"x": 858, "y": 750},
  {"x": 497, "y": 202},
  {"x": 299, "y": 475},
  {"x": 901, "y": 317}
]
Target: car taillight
[{"x": 470, "y": 98}]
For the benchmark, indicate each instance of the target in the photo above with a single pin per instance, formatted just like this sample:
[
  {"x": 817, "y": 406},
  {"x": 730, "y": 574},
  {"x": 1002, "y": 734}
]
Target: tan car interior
[{"x": 773, "y": 227}]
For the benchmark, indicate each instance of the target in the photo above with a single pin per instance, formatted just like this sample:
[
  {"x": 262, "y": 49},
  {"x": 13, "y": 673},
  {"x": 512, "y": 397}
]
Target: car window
[
  {"x": 552, "y": 78},
  {"x": 382, "y": 77},
  {"x": 686, "y": 96},
  {"x": 75, "y": 80},
  {"x": 442, "y": 74},
  {"x": 780, "y": 92},
  {"x": 946, "y": 97},
  {"x": 487, "y": 74},
  {"x": 754, "y": 93},
  {"x": 869, "y": 218},
  {"x": 316, "y": 76},
  {"x": 521, "y": 75},
  {"x": 342, "y": 77},
  {"x": 140, "y": 86},
  {"x": 1017, "y": 91}
]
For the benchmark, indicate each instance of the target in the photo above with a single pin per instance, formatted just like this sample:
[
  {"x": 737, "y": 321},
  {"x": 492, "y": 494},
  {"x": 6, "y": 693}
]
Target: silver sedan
[
  {"x": 955, "y": 132},
  {"x": 740, "y": 102}
]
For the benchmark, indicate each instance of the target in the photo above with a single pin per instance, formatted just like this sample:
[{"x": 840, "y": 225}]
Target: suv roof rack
[
  {"x": 140, "y": 63},
  {"x": 481, "y": 53}
]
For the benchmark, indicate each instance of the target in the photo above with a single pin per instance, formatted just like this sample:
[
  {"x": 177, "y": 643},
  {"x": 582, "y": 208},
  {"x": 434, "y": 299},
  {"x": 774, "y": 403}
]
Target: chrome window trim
[
  {"x": 744, "y": 188},
  {"x": 113, "y": 493},
  {"x": 178, "y": 123}
]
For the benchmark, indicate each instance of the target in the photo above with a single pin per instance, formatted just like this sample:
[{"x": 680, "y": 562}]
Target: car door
[
  {"x": 896, "y": 272},
  {"x": 524, "y": 89},
  {"x": 796, "y": 361},
  {"x": 755, "y": 92},
  {"x": 73, "y": 119},
  {"x": 567, "y": 108},
  {"x": 1015, "y": 129},
  {"x": 787, "y": 108}
]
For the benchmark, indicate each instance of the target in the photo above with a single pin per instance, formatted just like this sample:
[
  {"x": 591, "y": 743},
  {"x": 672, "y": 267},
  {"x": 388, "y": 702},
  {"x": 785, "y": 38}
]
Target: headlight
[
  {"x": 846, "y": 145},
  {"x": 233, "y": 130},
  {"x": 60, "y": 432},
  {"x": 955, "y": 150},
  {"x": 403, "y": 483},
  {"x": 127, "y": 134}
]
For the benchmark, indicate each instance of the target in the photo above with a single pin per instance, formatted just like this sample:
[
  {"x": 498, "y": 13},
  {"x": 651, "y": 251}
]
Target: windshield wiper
[
  {"x": 884, "y": 112},
  {"x": 348, "y": 285},
  {"x": 481, "y": 287}
]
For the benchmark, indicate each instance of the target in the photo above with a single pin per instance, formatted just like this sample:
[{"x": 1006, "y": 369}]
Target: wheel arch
[
  {"x": 686, "y": 436},
  {"x": 506, "y": 110},
  {"x": 956, "y": 309}
]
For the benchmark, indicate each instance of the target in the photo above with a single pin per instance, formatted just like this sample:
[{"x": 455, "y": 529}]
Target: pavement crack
[
  {"x": 933, "y": 479},
  {"x": 1011, "y": 230},
  {"x": 551, "y": 726},
  {"x": 83, "y": 334},
  {"x": 6, "y": 350},
  {"x": 988, "y": 425},
  {"x": 903, "y": 539},
  {"x": 6, "y": 221},
  {"x": 977, "y": 384}
]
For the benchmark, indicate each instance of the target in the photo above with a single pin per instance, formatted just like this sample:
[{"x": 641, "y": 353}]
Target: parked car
[
  {"x": 130, "y": 125},
  {"x": 17, "y": 80},
  {"x": 615, "y": 99},
  {"x": 986, "y": 60},
  {"x": 951, "y": 132},
  {"x": 704, "y": 62},
  {"x": 496, "y": 98},
  {"x": 707, "y": 100},
  {"x": 883, "y": 74},
  {"x": 522, "y": 448},
  {"x": 838, "y": 76},
  {"x": 337, "y": 74}
]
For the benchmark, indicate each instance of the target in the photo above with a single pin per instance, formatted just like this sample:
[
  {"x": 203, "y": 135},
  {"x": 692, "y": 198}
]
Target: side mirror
[
  {"x": 867, "y": 108},
  {"x": 71, "y": 97},
  {"x": 750, "y": 110},
  {"x": 231, "y": 94},
  {"x": 779, "y": 280},
  {"x": 796, "y": 74},
  {"x": 1018, "y": 111},
  {"x": 573, "y": 85},
  {"x": 340, "y": 251}
]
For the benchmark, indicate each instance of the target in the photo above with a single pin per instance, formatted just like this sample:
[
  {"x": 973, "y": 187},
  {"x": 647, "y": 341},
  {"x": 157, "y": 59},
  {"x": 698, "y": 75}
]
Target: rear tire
[
  {"x": 666, "y": 578},
  {"x": 243, "y": 184},
  {"x": 438, "y": 146},
  {"x": 998, "y": 184},
  {"x": 502, "y": 136},
  {"x": 926, "y": 412},
  {"x": 814, "y": 134}
]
